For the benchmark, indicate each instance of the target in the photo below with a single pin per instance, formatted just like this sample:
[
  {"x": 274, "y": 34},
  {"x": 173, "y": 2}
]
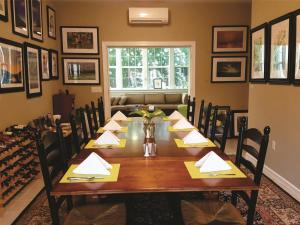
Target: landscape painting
[
  {"x": 229, "y": 69},
  {"x": 20, "y": 17},
  {"x": 36, "y": 20}
]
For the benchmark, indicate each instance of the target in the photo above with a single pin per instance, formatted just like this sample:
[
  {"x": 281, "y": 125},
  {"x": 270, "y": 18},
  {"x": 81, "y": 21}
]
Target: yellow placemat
[
  {"x": 171, "y": 129},
  {"x": 180, "y": 144},
  {"x": 92, "y": 145},
  {"x": 128, "y": 120},
  {"x": 195, "y": 172},
  {"x": 113, "y": 177},
  {"x": 123, "y": 130}
]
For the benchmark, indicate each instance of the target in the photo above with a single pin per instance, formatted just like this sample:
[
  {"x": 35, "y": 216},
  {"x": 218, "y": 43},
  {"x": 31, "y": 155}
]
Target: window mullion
[
  {"x": 172, "y": 70},
  {"x": 145, "y": 68},
  {"x": 119, "y": 78}
]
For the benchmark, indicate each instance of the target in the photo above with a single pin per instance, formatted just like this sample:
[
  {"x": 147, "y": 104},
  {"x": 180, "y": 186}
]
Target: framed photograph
[
  {"x": 51, "y": 22},
  {"x": 259, "y": 57},
  {"x": 3, "y": 10},
  {"x": 236, "y": 121},
  {"x": 230, "y": 39},
  {"x": 280, "y": 49},
  {"x": 80, "y": 40},
  {"x": 11, "y": 66},
  {"x": 157, "y": 83},
  {"x": 295, "y": 64},
  {"x": 228, "y": 69},
  {"x": 19, "y": 14},
  {"x": 81, "y": 70},
  {"x": 32, "y": 70},
  {"x": 36, "y": 19},
  {"x": 44, "y": 53},
  {"x": 53, "y": 56}
]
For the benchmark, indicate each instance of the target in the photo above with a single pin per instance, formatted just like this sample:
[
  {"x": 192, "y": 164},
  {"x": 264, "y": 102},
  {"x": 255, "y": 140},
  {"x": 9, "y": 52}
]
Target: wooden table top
[{"x": 165, "y": 172}]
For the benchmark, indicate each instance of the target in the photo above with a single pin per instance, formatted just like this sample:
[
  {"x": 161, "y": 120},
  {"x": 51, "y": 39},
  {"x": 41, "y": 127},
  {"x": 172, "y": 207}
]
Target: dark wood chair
[
  {"x": 203, "y": 124},
  {"x": 83, "y": 125},
  {"x": 77, "y": 134},
  {"x": 101, "y": 112},
  {"x": 95, "y": 117},
  {"x": 92, "y": 129},
  {"x": 216, "y": 212},
  {"x": 191, "y": 104}
]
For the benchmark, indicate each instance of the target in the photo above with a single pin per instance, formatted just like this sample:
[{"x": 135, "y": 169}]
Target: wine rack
[{"x": 18, "y": 161}]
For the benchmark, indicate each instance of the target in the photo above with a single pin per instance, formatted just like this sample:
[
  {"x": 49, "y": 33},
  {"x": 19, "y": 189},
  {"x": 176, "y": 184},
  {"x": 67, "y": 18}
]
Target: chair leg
[
  {"x": 252, "y": 207},
  {"x": 53, "y": 211},
  {"x": 69, "y": 203},
  {"x": 233, "y": 198}
]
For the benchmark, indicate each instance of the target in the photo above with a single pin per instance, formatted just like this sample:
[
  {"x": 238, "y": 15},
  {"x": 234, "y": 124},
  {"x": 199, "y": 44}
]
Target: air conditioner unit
[{"x": 148, "y": 15}]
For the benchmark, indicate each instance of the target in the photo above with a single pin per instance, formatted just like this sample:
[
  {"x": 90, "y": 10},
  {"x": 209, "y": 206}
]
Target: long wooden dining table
[{"x": 165, "y": 172}]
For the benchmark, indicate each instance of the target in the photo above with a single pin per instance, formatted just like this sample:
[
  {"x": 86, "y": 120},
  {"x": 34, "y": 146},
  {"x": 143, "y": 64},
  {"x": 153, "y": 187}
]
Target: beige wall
[
  {"x": 277, "y": 105},
  {"x": 190, "y": 21},
  {"x": 15, "y": 107}
]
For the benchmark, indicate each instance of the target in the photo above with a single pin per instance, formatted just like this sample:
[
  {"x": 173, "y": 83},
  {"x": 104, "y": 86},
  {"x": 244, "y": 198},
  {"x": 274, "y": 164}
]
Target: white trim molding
[
  {"x": 107, "y": 44},
  {"x": 279, "y": 180}
]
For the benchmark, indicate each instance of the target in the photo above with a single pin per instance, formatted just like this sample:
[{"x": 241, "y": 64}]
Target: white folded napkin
[
  {"x": 176, "y": 115},
  {"x": 182, "y": 124},
  {"x": 108, "y": 138},
  {"x": 93, "y": 164},
  {"x": 211, "y": 162},
  {"x": 194, "y": 137},
  {"x": 119, "y": 116},
  {"x": 112, "y": 125}
]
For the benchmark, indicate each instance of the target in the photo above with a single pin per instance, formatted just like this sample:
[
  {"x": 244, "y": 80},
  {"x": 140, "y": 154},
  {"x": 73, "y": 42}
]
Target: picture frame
[
  {"x": 51, "y": 22},
  {"x": 230, "y": 39},
  {"x": 280, "y": 38},
  {"x": 11, "y": 69},
  {"x": 45, "y": 64},
  {"x": 53, "y": 66},
  {"x": 228, "y": 69},
  {"x": 295, "y": 64},
  {"x": 3, "y": 10},
  {"x": 79, "y": 40},
  {"x": 32, "y": 70},
  {"x": 36, "y": 19},
  {"x": 81, "y": 71},
  {"x": 157, "y": 83},
  {"x": 258, "y": 54},
  {"x": 236, "y": 117},
  {"x": 19, "y": 14}
]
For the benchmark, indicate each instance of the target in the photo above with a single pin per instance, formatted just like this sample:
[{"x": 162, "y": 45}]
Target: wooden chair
[
  {"x": 203, "y": 124},
  {"x": 101, "y": 112},
  {"x": 216, "y": 212},
  {"x": 201, "y": 113},
  {"x": 83, "y": 125},
  {"x": 191, "y": 104},
  {"x": 77, "y": 137},
  {"x": 90, "y": 121},
  {"x": 95, "y": 117}
]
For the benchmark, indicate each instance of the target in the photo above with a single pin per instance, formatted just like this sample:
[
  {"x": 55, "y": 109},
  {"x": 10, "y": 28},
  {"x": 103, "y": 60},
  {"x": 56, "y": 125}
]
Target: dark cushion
[
  {"x": 112, "y": 100},
  {"x": 123, "y": 100},
  {"x": 135, "y": 99},
  {"x": 116, "y": 101},
  {"x": 173, "y": 98},
  {"x": 165, "y": 106},
  {"x": 154, "y": 98}
]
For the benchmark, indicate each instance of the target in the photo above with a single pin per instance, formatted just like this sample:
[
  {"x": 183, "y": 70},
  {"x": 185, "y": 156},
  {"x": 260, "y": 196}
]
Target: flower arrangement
[{"x": 148, "y": 116}]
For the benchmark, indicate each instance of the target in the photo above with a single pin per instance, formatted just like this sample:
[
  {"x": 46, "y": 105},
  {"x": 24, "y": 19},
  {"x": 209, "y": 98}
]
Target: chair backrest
[
  {"x": 76, "y": 139},
  {"x": 67, "y": 152},
  {"x": 95, "y": 118},
  {"x": 201, "y": 111},
  {"x": 83, "y": 125},
  {"x": 101, "y": 112},
  {"x": 203, "y": 125},
  {"x": 191, "y": 104},
  {"x": 90, "y": 121}
]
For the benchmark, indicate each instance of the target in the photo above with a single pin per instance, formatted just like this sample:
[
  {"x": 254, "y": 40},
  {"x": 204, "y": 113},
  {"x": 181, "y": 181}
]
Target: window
[{"x": 136, "y": 68}]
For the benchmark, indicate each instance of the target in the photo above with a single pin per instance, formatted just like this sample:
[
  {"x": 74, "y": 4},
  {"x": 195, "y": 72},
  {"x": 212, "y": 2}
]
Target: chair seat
[
  {"x": 210, "y": 212},
  {"x": 97, "y": 214}
]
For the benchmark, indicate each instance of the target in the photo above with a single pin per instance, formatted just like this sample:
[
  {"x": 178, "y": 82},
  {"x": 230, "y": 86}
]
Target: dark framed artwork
[
  {"x": 295, "y": 64},
  {"x": 32, "y": 70},
  {"x": 53, "y": 64},
  {"x": 79, "y": 40},
  {"x": 81, "y": 70},
  {"x": 237, "y": 115},
  {"x": 3, "y": 10},
  {"x": 230, "y": 39},
  {"x": 36, "y": 19},
  {"x": 51, "y": 22},
  {"x": 259, "y": 56},
  {"x": 280, "y": 50},
  {"x": 19, "y": 14},
  {"x": 45, "y": 64},
  {"x": 11, "y": 66},
  {"x": 157, "y": 83},
  {"x": 228, "y": 69}
]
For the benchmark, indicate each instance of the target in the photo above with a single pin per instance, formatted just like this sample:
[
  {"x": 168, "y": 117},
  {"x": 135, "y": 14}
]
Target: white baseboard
[{"x": 279, "y": 180}]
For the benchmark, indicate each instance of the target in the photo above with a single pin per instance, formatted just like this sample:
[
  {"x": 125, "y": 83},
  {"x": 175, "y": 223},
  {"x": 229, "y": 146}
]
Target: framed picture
[
  {"x": 280, "y": 49},
  {"x": 295, "y": 64},
  {"x": 236, "y": 121},
  {"x": 157, "y": 83},
  {"x": 3, "y": 10},
  {"x": 11, "y": 66},
  {"x": 44, "y": 54},
  {"x": 81, "y": 70},
  {"x": 80, "y": 40},
  {"x": 228, "y": 69},
  {"x": 51, "y": 22},
  {"x": 259, "y": 57},
  {"x": 53, "y": 56},
  {"x": 32, "y": 70},
  {"x": 36, "y": 19},
  {"x": 19, "y": 12},
  {"x": 229, "y": 39}
]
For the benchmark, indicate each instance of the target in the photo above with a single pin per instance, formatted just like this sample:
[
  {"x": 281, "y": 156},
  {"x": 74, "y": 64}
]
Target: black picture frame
[
  {"x": 216, "y": 66},
  {"x": 17, "y": 23},
  {"x": 235, "y": 115},
  {"x": 157, "y": 83},
  {"x": 295, "y": 62},
  {"x": 4, "y": 12},
  {"x": 53, "y": 64},
  {"x": 261, "y": 30},
  {"x": 65, "y": 48},
  {"x": 230, "y": 28},
  {"x": 36, "y": 13},
  {"x": 6, "y": 86},
  {"x": 96, "y": 62},
  {"x": 273, "y": 23},
  {"x": 45, "y": 68},
  {"x": 51, "y": 18},
  {"x": 30, "y": 91}
]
